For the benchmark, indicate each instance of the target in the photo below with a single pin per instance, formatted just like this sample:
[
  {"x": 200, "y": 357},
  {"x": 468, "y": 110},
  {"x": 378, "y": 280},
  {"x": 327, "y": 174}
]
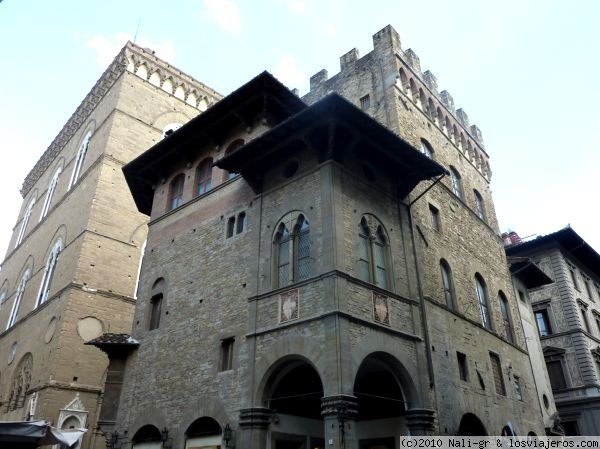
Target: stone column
[
  {"x": 420, "y": 421},
  {"x": 339, "y": 415},
  {"x": 254, "y": 423}
]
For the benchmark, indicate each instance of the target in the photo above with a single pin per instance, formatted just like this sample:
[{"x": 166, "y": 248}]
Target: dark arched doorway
[
  {"x": 203, "y": 433},
  {"x": 382, "y": 401},
  {"x": 294, "y": 393},
  {"x": 471, "y": 425},
  {"x": 147, "y": 437}
]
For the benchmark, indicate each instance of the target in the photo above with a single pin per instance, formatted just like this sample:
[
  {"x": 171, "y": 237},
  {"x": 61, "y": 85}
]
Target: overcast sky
[{"x": 526, "y": 72}]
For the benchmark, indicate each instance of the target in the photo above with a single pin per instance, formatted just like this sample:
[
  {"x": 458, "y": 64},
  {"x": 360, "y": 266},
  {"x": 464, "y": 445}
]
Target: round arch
[
  {"x": 471, "y": 425},
  {"x": 203, "y": 432},
  {"x": 147, "y": 437}
]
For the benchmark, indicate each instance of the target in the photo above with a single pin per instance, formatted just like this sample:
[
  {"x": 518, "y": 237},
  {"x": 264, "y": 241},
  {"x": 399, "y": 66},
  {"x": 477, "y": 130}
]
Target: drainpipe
[{"x": 420, "y": 287}]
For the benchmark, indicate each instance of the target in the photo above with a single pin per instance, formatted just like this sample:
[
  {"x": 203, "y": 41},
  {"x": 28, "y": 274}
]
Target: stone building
[
  {"x": 322, "y": 273},
  {"x": 71, "y": 268},
  {"x": 567, "y": 313}
]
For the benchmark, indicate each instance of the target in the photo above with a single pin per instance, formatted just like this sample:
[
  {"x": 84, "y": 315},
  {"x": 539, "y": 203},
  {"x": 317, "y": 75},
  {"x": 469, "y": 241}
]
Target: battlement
[
  {"x": 143, "y": 63},
  {"x": 421, "y": 88}
]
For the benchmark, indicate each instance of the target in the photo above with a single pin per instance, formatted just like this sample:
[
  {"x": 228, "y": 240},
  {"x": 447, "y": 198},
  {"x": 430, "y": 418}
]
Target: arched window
[
  {"x": 156, "y": 301},
  {"x": 204, "y": 176},
  {"x": 14, "y": 312},
  {"x": 456, "y": 183},
  {"x": 80, "y": 158},
  {"x": 447, "y": 284},
  {"x": 49, "y": 273},
  {"x": 24, "y": 222},
  {"x": 292, "y": 249},
  {"x": 508, "y": 329},
  {"x": 480, "y": 289},
  {"x": 479, "y": 205},
  {"x": 426, "y": 149},
  {"x": 230, "y": 149},
  {"x": 50, "y": 192},
  {"x": 176, "y": 191},
  {"x": 372, "y": 253}
]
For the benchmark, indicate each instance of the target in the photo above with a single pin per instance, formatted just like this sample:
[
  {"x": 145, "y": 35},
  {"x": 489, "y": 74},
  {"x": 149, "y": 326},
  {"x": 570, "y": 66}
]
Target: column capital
[
  {"x": 341, "y": 405},
  {"x": 420, "y": 421},
  {"x": 255, "y": 418}
]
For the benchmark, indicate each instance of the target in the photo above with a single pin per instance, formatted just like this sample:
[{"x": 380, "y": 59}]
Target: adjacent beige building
[{"x": 71, "y": 268}]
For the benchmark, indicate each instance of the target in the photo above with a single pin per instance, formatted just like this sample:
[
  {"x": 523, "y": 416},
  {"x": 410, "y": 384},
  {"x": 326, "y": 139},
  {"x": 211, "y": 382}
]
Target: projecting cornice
[{"x": 145, "y": 65}]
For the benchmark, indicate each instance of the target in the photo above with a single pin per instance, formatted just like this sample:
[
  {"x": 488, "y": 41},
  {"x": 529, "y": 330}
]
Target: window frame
[
  {"x": 484, "y": 304},
  {"x": 50, "y": 192},
  {"x": 463, "y": 366},
  {"x": 20, "y": 292},
  {"x": 292, "y": 257},
  {"x": 155, "y": 311},
  {"x": 427, "y": 149},
  {"x": 377, "y": 257},
  {"x": 447, "y": 284},
  {"x": 176, "y": 189},
  {"x": 434, "y": 214},
  {"x": 203, "y": 182},
  {"x": 25, "y": 221},
  {"x": 479, "y": 206},
  {"x": 506, "y": 317},
  {"x": 543, "y": 313},
  {"x": 80, "y": 159},
  {"x": 456, "y": 181},
  {"x": 49, "y": 270},
  {"x": 226, "y": 357},
  {"x": 497, "y": 374}
]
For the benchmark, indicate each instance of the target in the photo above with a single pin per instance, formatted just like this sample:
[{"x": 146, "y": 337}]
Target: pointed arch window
[
  {"x": 14, "y": 311},
  {"x": 447, "y": 284},
  {"x": 204, "y": 176},
  {"x": 292, "y": 249},
  {"x": 426, "y": 149},
  {"x": 50, "y": 192},
  {"x": 480, "y": 289},
  {"x": 24, "y": 222},
  {"x": 79, "y": 159},
  {"x": 456, "y": 183},
  {"x": 156, "y": 301},
  {"x": 508, "y": 328},
  {"x": 372, "y": 254},
  {"x": 479, "y": 205},
  {"x": 176, "y": 191},
  {"x": 49, "y": 273}
]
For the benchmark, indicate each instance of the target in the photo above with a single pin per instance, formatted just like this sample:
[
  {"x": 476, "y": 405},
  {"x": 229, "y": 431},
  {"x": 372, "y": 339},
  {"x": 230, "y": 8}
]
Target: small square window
[
  {"x": 227, "y": 354},
  {"x": 463, "y": 368},
  {"x": 365, "y": 102},
  {"x": 435, "y": 217}
]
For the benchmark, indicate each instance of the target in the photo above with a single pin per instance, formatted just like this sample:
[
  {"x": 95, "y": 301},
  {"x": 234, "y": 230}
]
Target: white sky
[{"x": 526, "y": 72}]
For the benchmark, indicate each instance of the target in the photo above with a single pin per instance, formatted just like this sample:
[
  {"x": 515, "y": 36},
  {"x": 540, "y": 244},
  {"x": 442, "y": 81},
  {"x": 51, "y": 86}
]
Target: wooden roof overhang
[
  {"x": 263, "y": 97},
  {"x": 334, "y": 129}
]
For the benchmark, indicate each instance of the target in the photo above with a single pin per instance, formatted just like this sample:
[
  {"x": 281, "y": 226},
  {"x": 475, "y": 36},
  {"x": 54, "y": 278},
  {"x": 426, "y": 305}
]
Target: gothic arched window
[
  {"x": 481, "y": 291},
  {"x": 49, "y": 273},
  {"x": 81, "y": 153},
  {"x": 50, "y": 192},
  {"x": 372, "y": 253},
  {"x": 479, "y": 205},
  {"x": 456, "y": 183},
  {"x": 24, "y": 222},
  {"x": 292, "y": 249},
  {"x": 14, "y": 311},
  {"x": 448, "y": 284}
]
